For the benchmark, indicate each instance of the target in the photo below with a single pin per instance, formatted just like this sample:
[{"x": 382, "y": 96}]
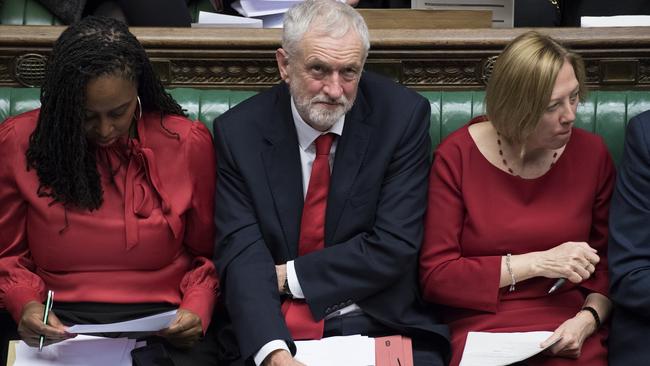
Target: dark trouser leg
[
  {"x": 203, "y": 353},
  {"x": 8, "y": 331},
  {"x": 426, "y": 353}
]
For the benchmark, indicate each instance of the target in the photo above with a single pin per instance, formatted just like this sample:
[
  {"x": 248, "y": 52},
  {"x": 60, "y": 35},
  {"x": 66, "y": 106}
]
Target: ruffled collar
[{"x": 135, "y": 165}]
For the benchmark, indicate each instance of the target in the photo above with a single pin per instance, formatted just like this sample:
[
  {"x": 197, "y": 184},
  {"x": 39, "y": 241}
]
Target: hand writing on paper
[
  {"x": 281, "y": 358},
  {"x": 31, "y": 327},
  {"x": 571, "y": 334},
  {"x": 185, "y": 330}
]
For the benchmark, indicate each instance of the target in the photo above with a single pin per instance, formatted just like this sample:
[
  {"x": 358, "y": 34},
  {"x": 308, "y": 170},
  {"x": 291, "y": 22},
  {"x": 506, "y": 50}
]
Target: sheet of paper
[
  {"x": 208, "y": 19},
  {"x": 495, "y": 349},
  {"x": 272, "y": 20},
  {"x": 78, "y": 351},
  {"x": 503, "y": 11},
  {"x": 355, "y": 350},
  {"x": 257, "y": 8},
  {"x": 151, "y": 323},
  {"x": 616, "y": 21}
]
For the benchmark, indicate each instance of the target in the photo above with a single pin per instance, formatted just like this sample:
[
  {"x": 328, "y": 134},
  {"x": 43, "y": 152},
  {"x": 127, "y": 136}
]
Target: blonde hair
[{"x": 522, "y": 81}]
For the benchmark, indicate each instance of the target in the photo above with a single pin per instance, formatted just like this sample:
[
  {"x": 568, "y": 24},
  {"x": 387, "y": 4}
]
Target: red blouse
[
  {"x": 477, "y": 213},
  {"x": 150, "y": 241}
]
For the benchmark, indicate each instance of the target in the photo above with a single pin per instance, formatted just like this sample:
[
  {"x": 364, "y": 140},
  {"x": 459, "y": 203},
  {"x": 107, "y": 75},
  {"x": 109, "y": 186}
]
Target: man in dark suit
[
  {"x": 322, "y": 184},
  {"x": 629, "y": 249}
]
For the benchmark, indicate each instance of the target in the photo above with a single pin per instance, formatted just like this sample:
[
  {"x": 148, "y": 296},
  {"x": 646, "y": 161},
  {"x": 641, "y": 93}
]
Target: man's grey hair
[{"x": 329, "y": 17}]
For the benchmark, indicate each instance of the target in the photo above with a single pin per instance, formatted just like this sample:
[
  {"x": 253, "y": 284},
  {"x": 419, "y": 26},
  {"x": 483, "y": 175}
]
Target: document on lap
[
  {"x": 495, "y": 349},
  {"x": 151, "y": 323},
  {"x": 356, "y": 350},
  {"x": 78, "y": 351}
]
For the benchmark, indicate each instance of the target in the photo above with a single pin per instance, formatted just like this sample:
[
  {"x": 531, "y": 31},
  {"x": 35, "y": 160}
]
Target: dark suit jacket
[
  {"x": 629, "y": 249},
  {"x": 373, "y": 227}
]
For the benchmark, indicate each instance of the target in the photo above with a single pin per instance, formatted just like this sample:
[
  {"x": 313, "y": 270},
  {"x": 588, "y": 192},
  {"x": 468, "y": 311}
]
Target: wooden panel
[
  {"x": 425, "y": 19},
  {"x": 425, "y": 59}
]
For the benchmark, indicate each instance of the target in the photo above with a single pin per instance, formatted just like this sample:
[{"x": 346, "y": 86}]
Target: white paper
[
  {"x": 257, "y": 8},
  {"x": 503, "y": 11},
  {"x": 272, "y": 20},
  {"x": 495, "y": 349},
  {"x": 355, "y": 350},
  {"x": 78, "y": 351},
  {"x": 151, "y": 323},
  {"x": 616, "y": 21},
  {"x": 208, "y": 19}
]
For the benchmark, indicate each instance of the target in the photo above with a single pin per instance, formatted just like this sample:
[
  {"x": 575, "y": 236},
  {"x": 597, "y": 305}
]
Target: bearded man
[{"x": 322, "y": 185}]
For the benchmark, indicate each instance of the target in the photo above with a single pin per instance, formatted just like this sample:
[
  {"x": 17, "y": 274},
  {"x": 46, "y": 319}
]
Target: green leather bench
[
  {"x": 605, "y": 112},
  {"x": 31, "y": 12}
]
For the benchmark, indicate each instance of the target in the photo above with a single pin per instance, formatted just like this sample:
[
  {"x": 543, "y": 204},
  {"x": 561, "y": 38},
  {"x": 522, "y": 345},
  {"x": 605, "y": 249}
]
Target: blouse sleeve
[
  {"x": 18, "y": 282},
  {"x": 200, "y": 284},
  {"x": 599, "y": 281},
  {"x": 446, "y": 276}
]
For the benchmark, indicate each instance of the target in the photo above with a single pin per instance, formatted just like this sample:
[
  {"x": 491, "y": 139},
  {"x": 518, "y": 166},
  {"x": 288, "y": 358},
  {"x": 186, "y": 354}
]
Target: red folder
[{"x": 393, "y": 351}]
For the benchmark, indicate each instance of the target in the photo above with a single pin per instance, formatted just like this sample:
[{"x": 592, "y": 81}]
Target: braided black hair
[{"x": 58, "y": 147}]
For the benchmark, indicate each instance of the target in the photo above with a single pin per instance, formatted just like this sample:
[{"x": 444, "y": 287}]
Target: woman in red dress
[
  {"x": 107, "y": 196},
  {"x": 517, "y": 200}
]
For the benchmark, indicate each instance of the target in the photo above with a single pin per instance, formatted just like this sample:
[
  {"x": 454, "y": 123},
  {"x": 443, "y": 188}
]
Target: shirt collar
[{"x": 306, "y": 133}]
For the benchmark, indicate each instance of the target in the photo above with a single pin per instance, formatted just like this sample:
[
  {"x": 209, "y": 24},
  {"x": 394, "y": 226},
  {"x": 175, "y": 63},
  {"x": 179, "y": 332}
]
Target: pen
[
  {"x": 48, "y": 306},
  {"x": 557, "y": 285}
]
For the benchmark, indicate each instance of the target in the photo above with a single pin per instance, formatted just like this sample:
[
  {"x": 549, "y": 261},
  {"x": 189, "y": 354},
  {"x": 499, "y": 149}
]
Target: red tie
[{"x": 312, "y": 238}]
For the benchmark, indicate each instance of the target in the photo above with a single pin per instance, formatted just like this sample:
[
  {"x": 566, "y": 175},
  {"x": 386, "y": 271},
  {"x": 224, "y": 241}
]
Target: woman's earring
[{"x": 139, "y": 110}]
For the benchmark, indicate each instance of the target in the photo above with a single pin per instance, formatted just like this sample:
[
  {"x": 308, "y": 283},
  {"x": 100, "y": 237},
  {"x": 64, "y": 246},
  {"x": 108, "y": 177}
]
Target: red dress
[
  {"x": 477, "y": 213},
  {"x": 151, "y": 240}
]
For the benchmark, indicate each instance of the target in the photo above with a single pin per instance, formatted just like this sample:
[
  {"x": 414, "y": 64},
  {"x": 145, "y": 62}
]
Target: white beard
[{"x": 317, "y": 116}]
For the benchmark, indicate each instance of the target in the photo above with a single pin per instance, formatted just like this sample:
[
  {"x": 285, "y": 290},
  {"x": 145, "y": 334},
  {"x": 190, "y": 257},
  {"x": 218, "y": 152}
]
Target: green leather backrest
[
  {"x": 605, "y": 112},
  {"x": 31, "y": 12}
]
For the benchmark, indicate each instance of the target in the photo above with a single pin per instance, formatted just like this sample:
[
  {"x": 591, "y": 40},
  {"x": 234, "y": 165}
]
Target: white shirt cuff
[
  {"x": 266, "y": 350},
  {"x": 294, "y": 285}
]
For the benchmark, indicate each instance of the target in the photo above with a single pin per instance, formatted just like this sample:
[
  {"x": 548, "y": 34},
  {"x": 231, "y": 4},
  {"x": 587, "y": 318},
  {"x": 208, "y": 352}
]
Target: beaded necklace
[{"x": 505, "y": 162}]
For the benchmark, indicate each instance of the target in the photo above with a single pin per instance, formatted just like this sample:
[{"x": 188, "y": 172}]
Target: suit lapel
[
  {"x": 283, "y": 169},
  {"x": 350, "y": 153}
]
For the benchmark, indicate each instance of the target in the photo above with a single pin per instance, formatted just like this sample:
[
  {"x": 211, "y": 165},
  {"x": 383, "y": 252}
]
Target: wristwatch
[{"x": 285, "y": 287}]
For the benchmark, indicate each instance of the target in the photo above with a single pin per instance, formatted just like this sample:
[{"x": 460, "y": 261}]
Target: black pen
[{"x": 557, "y": 285}]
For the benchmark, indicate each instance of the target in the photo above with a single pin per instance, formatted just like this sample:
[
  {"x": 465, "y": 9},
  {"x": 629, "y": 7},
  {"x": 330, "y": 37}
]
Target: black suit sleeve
[
  {"x": 629, "y": 242},
  {"x": 245, "y": 265},
  {"x": 377, "y": 257}
]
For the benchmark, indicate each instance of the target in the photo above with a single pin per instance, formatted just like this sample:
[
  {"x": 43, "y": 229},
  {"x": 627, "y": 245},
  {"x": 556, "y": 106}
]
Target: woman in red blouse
[
  {"x": 517, "y": 200},
  {"x": 107, "y": 197}
]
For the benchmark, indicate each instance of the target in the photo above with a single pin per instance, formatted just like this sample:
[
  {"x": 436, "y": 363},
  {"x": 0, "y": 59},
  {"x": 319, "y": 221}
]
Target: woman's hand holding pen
[
  {"x": 185, "y": 330},
  {"x": 575, "y": 261},
  {"x": 31, "y": 327}
]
